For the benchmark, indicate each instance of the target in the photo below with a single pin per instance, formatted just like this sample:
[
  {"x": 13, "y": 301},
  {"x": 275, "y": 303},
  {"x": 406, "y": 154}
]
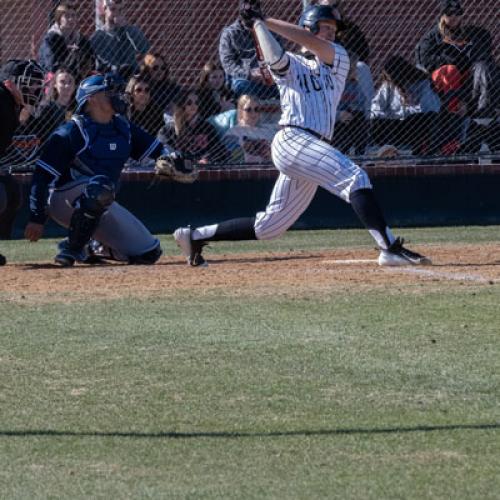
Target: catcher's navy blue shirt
[{"x": 83, "y": 147}]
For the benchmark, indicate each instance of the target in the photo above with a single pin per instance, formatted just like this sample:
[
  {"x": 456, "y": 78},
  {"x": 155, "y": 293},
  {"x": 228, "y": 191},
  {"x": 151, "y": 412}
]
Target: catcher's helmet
[
  {"x": 313, "y": 14},
  {"x": 111, "y": 83},
  {"x": 28, "y": 76}
]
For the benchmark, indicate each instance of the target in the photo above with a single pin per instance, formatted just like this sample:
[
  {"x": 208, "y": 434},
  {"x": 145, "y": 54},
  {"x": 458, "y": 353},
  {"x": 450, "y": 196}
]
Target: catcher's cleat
[
  {"x": 398, "y": 255},
  {"x": 66, "y": 257},
  {"x": 3, "y": 260},
  {"x": 94, "y": 253},
  {"x": 190, "y": 248}
]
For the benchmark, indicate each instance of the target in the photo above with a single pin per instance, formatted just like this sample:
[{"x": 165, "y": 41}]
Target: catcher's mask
[
  {"x": 28, "y": 77},
  {"x": 110, "y": 83},
  {"x": 313, "y": 14}
]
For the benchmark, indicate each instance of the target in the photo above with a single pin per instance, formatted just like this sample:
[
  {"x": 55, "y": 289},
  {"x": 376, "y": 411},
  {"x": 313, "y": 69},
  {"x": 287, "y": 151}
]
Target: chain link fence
[{"x": 435, "y": 103}]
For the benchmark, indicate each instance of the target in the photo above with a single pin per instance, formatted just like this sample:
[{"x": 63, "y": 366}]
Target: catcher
[{"x": 76, "y": 178}]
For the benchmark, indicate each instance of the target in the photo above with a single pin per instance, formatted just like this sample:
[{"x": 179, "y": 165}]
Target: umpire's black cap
[{"x": 451, "y": 8}]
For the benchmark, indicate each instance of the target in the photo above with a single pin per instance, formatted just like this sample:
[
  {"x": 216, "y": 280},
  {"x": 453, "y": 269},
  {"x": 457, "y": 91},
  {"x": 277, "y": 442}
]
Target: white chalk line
[
  {"x": 477, "y": 278},
  {"x": 416, "y": 270}
]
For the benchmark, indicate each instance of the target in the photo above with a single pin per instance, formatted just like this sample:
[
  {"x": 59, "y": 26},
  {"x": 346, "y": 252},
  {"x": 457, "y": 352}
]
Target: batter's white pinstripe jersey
[{"x": 310, "y": 91}]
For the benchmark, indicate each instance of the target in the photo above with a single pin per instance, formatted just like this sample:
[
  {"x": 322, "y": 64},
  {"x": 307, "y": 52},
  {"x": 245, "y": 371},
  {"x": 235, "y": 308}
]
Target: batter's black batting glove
[{"x": 250, "y": 11}]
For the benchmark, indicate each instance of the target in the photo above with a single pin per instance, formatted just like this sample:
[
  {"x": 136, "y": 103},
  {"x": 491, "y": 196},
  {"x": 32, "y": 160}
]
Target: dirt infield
[{"x": 251, "y": 274}]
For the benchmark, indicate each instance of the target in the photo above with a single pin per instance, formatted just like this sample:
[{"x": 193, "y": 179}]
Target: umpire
[{"x": 21, "y": 83}]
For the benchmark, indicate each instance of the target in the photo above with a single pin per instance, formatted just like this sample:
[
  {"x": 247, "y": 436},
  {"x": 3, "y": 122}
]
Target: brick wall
[{"x": 187, "y": 31}]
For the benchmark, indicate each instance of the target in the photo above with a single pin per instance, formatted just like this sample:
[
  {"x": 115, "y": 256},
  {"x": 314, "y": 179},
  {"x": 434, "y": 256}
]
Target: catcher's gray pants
[{"x": 118, "y": 229}]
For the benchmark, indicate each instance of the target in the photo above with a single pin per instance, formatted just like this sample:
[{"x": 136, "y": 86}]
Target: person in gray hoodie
[{"x": 238, "y": 57}]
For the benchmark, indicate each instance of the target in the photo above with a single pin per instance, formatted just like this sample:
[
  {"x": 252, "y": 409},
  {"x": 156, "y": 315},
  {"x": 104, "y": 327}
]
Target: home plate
[{"x": 340, "y": 262}]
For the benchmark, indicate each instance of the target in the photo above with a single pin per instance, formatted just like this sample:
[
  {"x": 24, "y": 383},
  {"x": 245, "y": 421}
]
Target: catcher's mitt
[{"x": 177, "y": 168}]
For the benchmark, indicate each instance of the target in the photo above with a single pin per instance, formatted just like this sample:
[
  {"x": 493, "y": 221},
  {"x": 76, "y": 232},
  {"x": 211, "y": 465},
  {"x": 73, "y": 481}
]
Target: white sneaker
[
  {"x": 398, "y": 255},
  {"x": 191, "y": 249}
]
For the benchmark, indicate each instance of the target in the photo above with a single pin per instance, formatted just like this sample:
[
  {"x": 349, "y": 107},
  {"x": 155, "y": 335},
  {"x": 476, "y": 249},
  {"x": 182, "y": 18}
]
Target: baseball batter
[
  {"x": 21, "y": 83},
  {"x": 76, "y": 177},
  {"x": 310, "y": 84}
]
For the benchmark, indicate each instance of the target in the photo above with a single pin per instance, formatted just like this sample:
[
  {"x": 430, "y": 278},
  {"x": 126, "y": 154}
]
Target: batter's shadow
[
  {"x": 242, "y": 435},
  {"x": 260, "y": 259}
]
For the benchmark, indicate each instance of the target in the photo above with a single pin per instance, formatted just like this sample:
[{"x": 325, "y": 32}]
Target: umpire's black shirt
[{"x": 10, "y": 118}]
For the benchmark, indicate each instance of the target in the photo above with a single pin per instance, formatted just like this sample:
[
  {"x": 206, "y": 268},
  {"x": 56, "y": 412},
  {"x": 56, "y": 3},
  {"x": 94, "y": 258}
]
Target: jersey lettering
[{"x": 310, "y": 91}]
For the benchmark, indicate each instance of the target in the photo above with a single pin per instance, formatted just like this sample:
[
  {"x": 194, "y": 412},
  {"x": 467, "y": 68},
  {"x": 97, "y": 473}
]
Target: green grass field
[{"x": 374, "y": 394}]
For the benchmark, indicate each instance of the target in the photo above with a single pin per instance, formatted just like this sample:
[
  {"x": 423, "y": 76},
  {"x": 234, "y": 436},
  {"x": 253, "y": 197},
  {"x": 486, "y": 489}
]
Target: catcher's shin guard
[
  {"x": 81, "y": 229},
  {"x": 3, "y": 260}
]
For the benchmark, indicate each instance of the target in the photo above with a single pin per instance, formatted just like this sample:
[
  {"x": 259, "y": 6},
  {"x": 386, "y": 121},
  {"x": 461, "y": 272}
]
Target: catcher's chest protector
[{"x": 107, "y": 147}]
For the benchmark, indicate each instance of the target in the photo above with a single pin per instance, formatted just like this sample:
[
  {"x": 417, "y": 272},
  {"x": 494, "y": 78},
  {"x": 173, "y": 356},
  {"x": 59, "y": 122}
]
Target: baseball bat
[{"x": 264, "y": 70}]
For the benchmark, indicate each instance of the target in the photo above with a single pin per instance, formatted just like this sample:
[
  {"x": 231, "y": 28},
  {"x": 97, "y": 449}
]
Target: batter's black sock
[
  {"x": 369, "y": 212},
  {"x": 235, "y": 230}
]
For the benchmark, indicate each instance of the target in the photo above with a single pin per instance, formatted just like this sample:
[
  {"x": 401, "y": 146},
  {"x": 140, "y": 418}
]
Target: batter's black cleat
[
  {"x": 190, "y": 248},
  {"x": 3, "y": 260},
  {"x": 398, "y": 255}
]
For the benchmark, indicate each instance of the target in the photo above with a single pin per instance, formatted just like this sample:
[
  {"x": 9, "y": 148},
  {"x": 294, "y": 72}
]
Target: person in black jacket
[
  {"x": 64, "y": 46},
  {"x": 458, "y": 56},
  {"x": 452, "y": 42},
  {"x": 21, "y": 83}
]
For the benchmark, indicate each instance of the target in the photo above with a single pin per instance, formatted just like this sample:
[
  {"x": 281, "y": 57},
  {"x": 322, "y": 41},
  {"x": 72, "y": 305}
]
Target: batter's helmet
[
  {"x": 27, "y": 75},
  {"x": 313, "y": 14},
  {"x": 111, "y": 83}
]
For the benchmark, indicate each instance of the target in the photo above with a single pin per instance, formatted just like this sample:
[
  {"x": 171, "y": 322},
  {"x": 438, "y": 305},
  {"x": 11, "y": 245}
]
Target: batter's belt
[{"x": 309, "y": 131}]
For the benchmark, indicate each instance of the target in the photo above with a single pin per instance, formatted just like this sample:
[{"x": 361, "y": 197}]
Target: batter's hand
[
  {"x": 33, "y": 231},
  {"x": 256, "y": 75},
  {"x": 250, "y": 11}
]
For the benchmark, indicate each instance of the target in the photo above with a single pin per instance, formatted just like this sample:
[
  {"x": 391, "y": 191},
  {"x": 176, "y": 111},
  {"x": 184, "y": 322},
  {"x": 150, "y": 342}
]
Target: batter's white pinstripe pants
[{"x": 305, "y": 162}]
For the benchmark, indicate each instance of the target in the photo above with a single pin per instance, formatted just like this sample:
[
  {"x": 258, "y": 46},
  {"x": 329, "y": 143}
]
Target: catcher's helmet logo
[{"x": 112, "y": 146}]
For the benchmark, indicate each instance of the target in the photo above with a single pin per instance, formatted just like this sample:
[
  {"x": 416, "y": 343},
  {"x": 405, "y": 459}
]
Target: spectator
[
  {"x": 405, "y": 107},
  {"x": 214, "y": 94},
  {"x": 462, "y": 52},
  {"x": 191, "y": 134},
  {"x": 64, "y": 45},
  {"x": 459, "y": 59},
  {"x": 250, "y": 140},
  {"x": 164, "y": 90},
  {"x": 351, "y": 128},
  {"x": 118, "y": 46},
  {"x": 452, "y": 42},
  {"x": 62, "y": 91},
  {"x": 239, "y": 59},
  {"x": 142, "y": 110}
]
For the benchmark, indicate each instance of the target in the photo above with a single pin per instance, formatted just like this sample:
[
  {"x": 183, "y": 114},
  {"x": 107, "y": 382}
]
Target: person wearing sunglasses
[
  {"x": 191, "y": 133},
  {"x": 250, "y": 140},
  {"x": 142, "y": 110},
  {"x": 164, "y": 89}
]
